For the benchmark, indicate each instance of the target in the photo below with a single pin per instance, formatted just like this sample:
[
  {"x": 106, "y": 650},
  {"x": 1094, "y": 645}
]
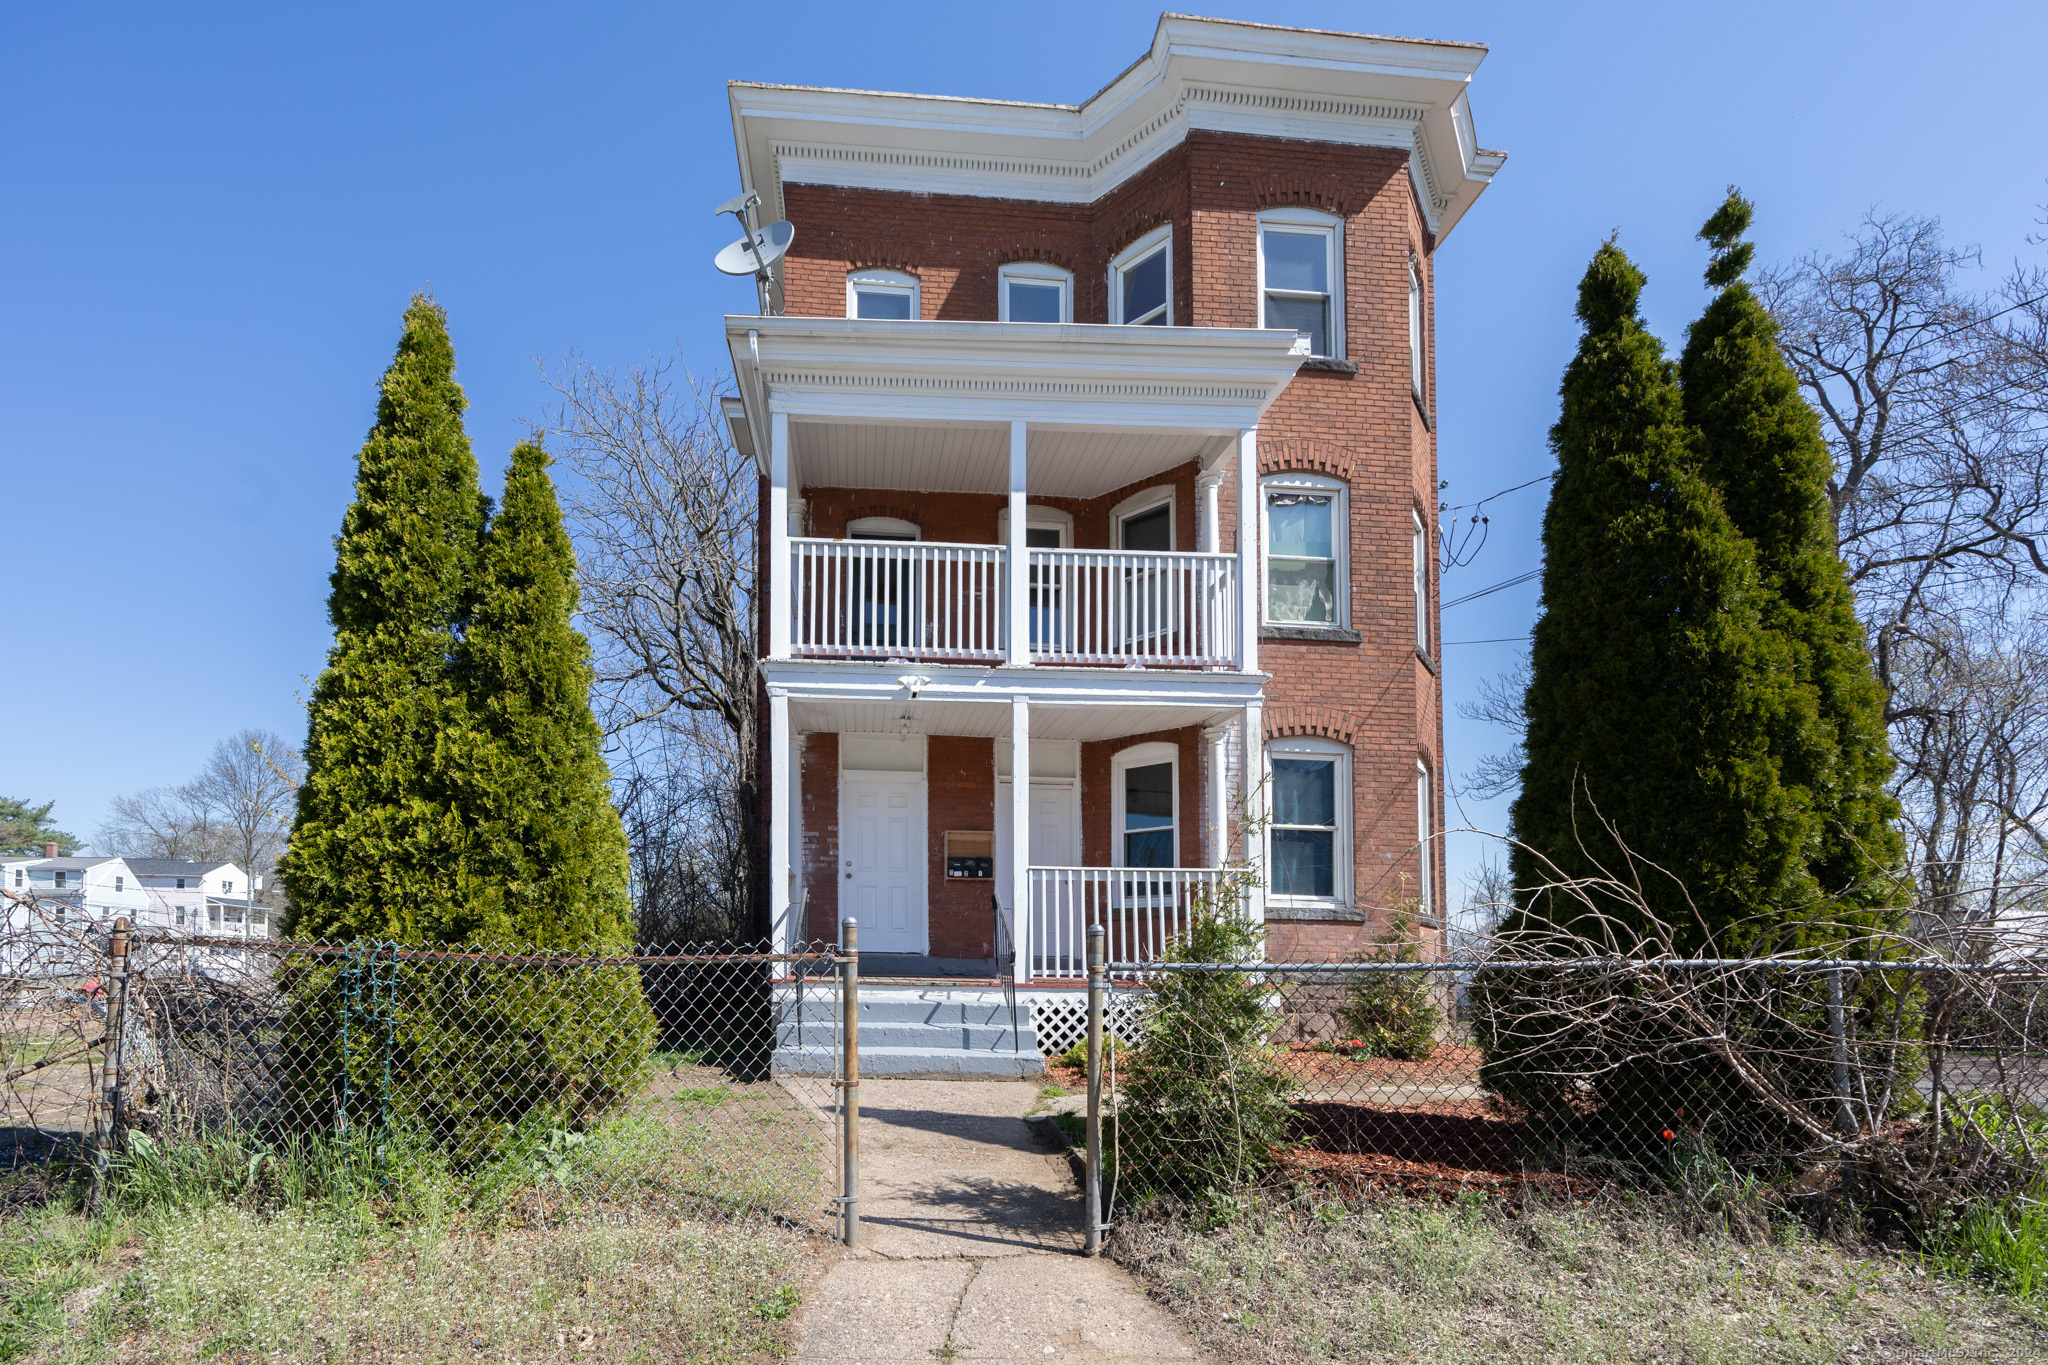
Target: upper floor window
[
  {"x": 1305, "y": 545},
  {"x": 181, "y": 883},
  {"x": 1300, "y": 267},
  {"x": 1309, "y": 836},
  {"x": 1030, "y": 291},
  {"x": 1420, "y": 544},
  {"x": 1415, "y": 328},
  {"x": 17, "y": 876},
  {"x": 119, "y": 883},
  {"x": 889, "y": 295},
  {"x": 227, "y": 888},
  {"x": 1141, "y": 281},
  {"x": 60, "y": 879}
]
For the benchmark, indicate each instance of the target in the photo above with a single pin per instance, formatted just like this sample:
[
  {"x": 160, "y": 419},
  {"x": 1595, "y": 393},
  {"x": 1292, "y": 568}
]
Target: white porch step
[{"x": 911, "y": 1030}]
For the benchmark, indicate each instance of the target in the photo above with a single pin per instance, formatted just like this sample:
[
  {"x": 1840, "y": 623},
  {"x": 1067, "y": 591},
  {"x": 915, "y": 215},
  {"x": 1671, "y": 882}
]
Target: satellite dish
[
  {"x": 739, "y": 203},
  {"x": 758, "y": 250}
]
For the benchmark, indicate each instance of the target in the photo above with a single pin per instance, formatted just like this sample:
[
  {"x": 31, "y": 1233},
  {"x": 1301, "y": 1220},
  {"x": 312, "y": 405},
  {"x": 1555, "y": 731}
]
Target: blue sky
[{"x": 215, "y": 215}]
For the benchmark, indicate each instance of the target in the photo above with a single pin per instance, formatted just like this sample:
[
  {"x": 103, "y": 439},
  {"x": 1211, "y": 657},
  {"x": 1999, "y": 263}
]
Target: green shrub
[
  {"x": 1204, "y": 1103},
  {"x": 1392, "y": 1014}
]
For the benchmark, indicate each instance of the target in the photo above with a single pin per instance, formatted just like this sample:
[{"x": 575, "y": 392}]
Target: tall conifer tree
[
  {"x": 547, "y": 866},
  {"x": 1761, "y": 446},
  {"x": 1655, "y": 691},
  {"x": 377, "y": 833}
]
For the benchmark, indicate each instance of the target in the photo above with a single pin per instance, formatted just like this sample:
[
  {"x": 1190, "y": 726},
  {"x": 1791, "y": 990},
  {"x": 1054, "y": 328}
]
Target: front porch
[{"x": 905, "y": 815}]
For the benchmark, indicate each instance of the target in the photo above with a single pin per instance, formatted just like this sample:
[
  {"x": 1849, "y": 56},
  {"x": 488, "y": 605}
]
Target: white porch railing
[
  {"x": 1133, "y": 607},
  {"x": 906, "y": 599},
  {"x": 1143, "y": 909}
]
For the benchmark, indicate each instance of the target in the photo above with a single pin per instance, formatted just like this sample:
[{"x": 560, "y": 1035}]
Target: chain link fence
[
  {"x": 1912, "y": 1082},
  {"x": 689, "y": 1080}
]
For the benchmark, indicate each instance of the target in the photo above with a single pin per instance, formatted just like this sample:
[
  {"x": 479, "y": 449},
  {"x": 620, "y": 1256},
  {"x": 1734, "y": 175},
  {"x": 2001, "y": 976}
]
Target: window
[
  {"x": 1308, "y": 838},
  {"x": 886, "y": 583},
  {"x": 17, "y": 876},
  {"x": 1144, "y": 521},
  {"x": 1027, "y": 291},
  {"x": 1300, "y": 264},
  {"x": 227, "y": 888},
  {"x": 213, "y": 914},
  {"x": 1415, "y": 328},
  {"x": 1425, "y": 896},
  {"x": 181, "y": 914},
  {"x": 1305, "y": 544},
  {"x": 181, "y": 883},
  {"x": 117, "y": 883},
  {"x": 1143, "y": 793},
  {"x": 1141, "y": 281},
  {"x": 888, "y": 295},
  {"x": 1421, "y": 549},
  {"x": 60, "y": 880}
]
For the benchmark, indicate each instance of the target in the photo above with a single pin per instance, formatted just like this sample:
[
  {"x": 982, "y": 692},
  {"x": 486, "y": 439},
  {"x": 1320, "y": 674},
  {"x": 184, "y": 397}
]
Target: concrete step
[
  {"x": 913, "y": 1061},
  {"x": 973, "y": 1037}
]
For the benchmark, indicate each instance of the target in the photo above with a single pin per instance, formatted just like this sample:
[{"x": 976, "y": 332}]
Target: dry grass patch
[{"x": 1424, "y": 1280}]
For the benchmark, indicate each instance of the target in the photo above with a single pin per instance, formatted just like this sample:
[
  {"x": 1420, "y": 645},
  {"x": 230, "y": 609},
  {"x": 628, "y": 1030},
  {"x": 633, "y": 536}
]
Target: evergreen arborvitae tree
[
  {"x": 1761, "y": 446},
  {"x": 377, "y": 835},
  {"x": 1655, "y": 691},
  {"x": 547, "y": 864}
]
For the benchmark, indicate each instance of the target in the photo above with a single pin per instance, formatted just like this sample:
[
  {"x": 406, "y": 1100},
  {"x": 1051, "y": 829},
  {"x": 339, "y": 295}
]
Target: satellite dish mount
[{"x": 758, "y": 249}]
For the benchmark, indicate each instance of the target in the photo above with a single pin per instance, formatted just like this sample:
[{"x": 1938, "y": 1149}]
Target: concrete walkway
[{"x": 971, "y": 1240}]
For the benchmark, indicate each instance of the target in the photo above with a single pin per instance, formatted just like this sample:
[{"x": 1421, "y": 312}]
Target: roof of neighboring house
[
  {"x": 68, "y": 864},
  {"x": 170, "y": 867}
]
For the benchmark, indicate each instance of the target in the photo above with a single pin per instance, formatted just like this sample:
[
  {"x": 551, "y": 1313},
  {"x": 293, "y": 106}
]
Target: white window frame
[
  {"x": 1137, "y": 505},
  {"x": 884, "y": 282},
  {"x": 119, "y": 883},
  {"x": 1331, "y": 228},
  {"x": 1415, "y": 328},
  {"x": 1420, "y": 541},
  {"x": 1340, "y": 542},
  {"x": 1038, "y": 519},
  {"x": 1159, "y": 238},
  {"x": 1038, "y": 272},
  {"x": 883, "y": 528},
  {"x": 1340, "y": 866},
  {"x": 1140, "y": 756},
  {"x": 1425, "y": 843}
]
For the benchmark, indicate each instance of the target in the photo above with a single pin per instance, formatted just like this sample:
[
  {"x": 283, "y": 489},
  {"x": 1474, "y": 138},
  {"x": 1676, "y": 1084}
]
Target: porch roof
[{"x": 927, "y": 406}]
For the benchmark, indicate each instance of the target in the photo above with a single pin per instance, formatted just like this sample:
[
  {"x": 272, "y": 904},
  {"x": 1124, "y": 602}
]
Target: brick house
[{"x": 1103, "y": 436}]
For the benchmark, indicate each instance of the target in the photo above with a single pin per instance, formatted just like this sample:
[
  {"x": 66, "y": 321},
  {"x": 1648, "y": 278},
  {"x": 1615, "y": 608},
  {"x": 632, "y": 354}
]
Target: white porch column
[
  {"x": 782, "y": 787},
  {"x": 1248, "y": 615},
  {"x": 1020, "y": 834},
  {"x": 1019, "y": 561},
  {"x": 1217, "y": 844},
  {"x": 1208, "y": 519},
  {"x": 780, "y": 611},
  {"x": 1258, "y": 804}
]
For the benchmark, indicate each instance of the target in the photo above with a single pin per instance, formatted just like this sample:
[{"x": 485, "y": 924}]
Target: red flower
[{"x": 1669, "y": 1135}]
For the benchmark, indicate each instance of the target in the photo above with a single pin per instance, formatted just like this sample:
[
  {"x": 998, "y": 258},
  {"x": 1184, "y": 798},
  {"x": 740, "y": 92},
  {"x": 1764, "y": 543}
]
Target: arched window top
[
  {"x": 883, "y": 528},
  {"x": 1033, "y": 291},
  {"x": 883, "y": 295}
]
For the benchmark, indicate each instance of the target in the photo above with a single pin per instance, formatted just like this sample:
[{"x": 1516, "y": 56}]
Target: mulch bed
[
  {"x": 1448, "y": 1063},
  {"x": 1438, "y": 1149}
]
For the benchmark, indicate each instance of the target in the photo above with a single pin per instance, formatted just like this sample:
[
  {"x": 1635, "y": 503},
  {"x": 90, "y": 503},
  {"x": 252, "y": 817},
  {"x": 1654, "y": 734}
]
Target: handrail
[
  {"x": 1162, "y": 608},
  {"x": 912, "y": 599},
  {"x": 1143, "y": 909}
]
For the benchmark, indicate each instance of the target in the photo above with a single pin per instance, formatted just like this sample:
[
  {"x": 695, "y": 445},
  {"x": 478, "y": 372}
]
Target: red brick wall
[
  {"x": 961, "y": 794},
  {"x": 1377, "y": 695},
  {"x": 820, "y": 852},
  {"x": 971, "y": 518}
]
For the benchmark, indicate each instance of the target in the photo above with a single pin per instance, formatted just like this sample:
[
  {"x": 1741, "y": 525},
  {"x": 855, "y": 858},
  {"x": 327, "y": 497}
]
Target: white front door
[
  {"x": 882, "y": 861},
  {"x": 1055, "y": 832}
]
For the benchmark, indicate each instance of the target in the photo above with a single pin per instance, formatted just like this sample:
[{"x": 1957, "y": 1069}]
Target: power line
[
  {"x": 1503, "y": 640},
  {"x": 1487, "y": 592}
]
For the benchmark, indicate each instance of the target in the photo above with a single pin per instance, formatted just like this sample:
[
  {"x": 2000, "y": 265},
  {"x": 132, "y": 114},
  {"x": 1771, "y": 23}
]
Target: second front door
[{"x": 882, "y": 861}]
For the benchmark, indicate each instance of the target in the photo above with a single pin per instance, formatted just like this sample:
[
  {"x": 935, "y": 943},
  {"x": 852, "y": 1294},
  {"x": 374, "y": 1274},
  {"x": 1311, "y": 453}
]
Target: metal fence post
[
  {"x": 849, "y": 1035},
  {"x": 1098, "y": 985},
  {"x": 111, "y": 1078},
  {"x": 1838, "y": 1036}
]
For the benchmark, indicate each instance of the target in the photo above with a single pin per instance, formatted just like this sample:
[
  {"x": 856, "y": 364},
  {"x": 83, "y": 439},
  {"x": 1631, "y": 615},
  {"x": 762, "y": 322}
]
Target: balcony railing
[
  {"x": 1143, "y": 910},
  {"x": 898, "y": 599},
  {"x": 1151, "y": 608},
  {"x": 926, "y": 600}
]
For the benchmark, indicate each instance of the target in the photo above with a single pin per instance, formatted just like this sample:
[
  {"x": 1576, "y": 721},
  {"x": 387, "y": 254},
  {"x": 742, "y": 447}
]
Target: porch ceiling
[
  {"x": 986, "y": 721},
  {"x": 974, "y": 457}
]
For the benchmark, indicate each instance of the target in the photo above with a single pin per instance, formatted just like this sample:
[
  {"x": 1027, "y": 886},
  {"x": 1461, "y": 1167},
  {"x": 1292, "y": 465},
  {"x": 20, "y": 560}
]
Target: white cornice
[{"x": 1200, "y": 73}]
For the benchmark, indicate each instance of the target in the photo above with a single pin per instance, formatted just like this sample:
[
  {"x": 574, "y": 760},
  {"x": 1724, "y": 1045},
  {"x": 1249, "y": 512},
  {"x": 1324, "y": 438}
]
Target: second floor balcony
[
  {"x": 937, "y": 602},
  {"x": 1007, "y": 494}
]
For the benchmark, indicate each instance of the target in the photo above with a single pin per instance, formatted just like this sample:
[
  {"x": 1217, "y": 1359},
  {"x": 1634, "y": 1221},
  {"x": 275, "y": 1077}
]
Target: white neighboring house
[{"x": 166, "y": 895}]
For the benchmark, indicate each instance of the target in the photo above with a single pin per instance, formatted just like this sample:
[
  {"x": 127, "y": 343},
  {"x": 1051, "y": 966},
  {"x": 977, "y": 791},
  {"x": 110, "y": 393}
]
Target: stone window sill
[
  {"x": 1322, "y": 914},
  {"x": 1335, "y": 635},
  {"x": 1326, "y": 364}
]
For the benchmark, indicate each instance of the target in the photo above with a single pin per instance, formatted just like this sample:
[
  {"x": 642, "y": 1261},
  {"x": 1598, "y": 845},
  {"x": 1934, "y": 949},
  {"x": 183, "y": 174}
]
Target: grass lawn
[{"x": 1400, "y": 1280}]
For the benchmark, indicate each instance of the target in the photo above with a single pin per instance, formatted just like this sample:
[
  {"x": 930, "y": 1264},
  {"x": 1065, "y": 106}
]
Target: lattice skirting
[{"x": 1062, "y": 1022}]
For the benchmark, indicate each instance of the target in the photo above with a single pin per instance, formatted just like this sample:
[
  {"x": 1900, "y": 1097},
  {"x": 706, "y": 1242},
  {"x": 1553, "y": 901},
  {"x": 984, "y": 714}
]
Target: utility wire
[{"x": 1487, "y": 592}]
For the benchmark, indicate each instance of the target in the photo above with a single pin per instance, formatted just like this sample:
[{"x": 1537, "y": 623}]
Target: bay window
[
  {"x": 1305, "y": 545},
  {"x": 1028, "y": 291},
  {"x": 1300, "y": 268},
  {"x": 1308, "y": 839},
  {"x": 1141, "y": 281}
]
